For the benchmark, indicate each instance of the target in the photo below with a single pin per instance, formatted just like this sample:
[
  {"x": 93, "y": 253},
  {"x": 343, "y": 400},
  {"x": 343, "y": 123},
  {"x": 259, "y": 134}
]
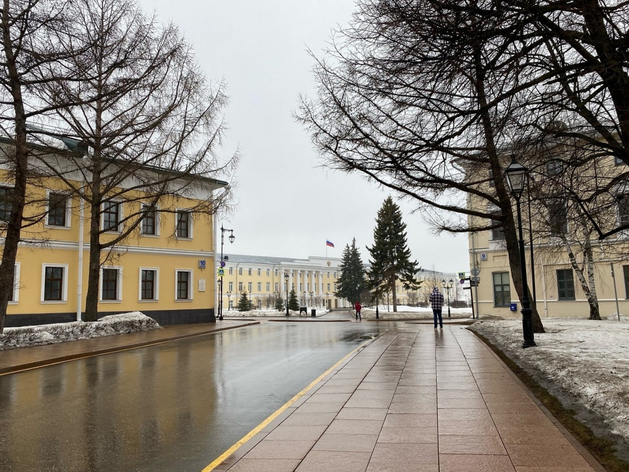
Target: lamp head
[
  {"x": 516, "y": 175},
  {"x": 232, "y": 238}
]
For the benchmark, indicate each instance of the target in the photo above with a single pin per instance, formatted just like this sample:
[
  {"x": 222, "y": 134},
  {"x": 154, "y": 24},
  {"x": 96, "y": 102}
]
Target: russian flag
[{"x": 329, "y": 243}]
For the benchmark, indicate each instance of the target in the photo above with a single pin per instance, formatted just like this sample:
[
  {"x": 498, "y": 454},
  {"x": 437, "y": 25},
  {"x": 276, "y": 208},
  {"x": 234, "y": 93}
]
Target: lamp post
[
  {"x": 286, "y": 283},
  {"x": 229, "y": 300},
  {"x": 516, "y": 175},
  {"x": 231, "y": 240},
  {"x": 447, "y": 286},
  {"x": 374, "y": 279},
  {"x": 311, "y": 298}
]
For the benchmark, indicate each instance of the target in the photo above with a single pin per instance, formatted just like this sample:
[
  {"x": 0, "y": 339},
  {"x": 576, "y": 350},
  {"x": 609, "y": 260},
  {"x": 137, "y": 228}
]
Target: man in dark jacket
[{"x": 436, "y": 302}]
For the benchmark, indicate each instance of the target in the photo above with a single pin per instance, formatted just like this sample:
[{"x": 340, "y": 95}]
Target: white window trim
[
  {"x": 190, "y": 224},
  {"x": 156, "y": 288},
  {"x": 64, "y": 290},
  {"x": 16, "y": 285},
  {"x": 120, "y": 217},
  {"x": 190, "y": 285},
  {"x": 118, "y": 285},
  {"x": 157, "y": 223},
  {"x": 68, "y": 210}
]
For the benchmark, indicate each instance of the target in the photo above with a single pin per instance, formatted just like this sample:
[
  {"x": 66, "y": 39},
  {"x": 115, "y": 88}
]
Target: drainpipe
[{"x": 79, "y": 290}]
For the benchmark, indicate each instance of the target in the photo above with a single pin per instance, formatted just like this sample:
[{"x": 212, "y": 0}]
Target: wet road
[{"x": 172, "y": 407}]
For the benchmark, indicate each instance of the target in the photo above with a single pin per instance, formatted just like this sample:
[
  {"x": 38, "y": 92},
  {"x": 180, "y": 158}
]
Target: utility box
[{"x": 514, "y": 307}]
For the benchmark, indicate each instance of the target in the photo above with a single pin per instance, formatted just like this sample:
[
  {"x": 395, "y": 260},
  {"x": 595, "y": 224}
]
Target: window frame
[
  {"x": 119, "y": 213},
  {"x": 64, "y": 285},
  {"x": 625, "y": 273},
  {"x": 15, "y": 293},
  {"x": 505, "y": 297},
  {"x": 155, "y": 298},
  {"x": 178, "y": 213},
  {"x": 190, "y": 282},
  {"x": 156, "y": 220},
  {"x": 566, "y": 296},
  {"x": 495, "y": 234},
  {"x": 67, "y": 210},
  {"x": 622, "y": 209},
  {"x": 118, "y": 288},
  {"x": 557, "y": 216},
  {"x": 6, "y": 200}
]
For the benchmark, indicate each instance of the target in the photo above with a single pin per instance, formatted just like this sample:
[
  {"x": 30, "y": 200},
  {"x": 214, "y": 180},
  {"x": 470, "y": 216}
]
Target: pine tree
[
  {"x": 244, "y": 304},
  {"x": 351, "y": 283},
  {"x": 390, "y": 255},
  {"x": 279, "y": 304},
  {"x": 293, "y": 303}
]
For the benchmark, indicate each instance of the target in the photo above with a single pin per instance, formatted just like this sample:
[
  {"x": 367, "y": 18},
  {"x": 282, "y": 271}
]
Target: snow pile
[
  {"x": 271, "y": 313},
  {"x": 61, "y": 332},
  {"x": 411, "y": 312},
  {"x": 587, "y": 359}
]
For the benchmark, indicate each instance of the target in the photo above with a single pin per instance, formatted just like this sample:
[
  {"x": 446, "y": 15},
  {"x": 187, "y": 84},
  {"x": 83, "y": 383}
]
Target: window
[
  {"x": 240, "y": 287},
  {"x": 268, "y": 286},
  {"x": 259, "y": 287},
  {"x": 239, "y": 270},
  {"x": 6, "y": 204},
  {"x": 497, "y": 234},
  {"x": 268, "y": 272},
  {"x": 148, "y": 284},
  {"x": 109, "y": 285},
  {"x": 249, "y": 272},
  {"x": 15, "y": 282},
  {"x": 57, "y": 209},
  {"x": 149, "y": 220},
  {"x": 277, "y": 286},
  {"x": 491, "y": 180},
  {"x": 625, "y": 272},
  {"x": 184, "y": 225},
  {"x": 231, "y": 286},
  {"x": 111, "y": 216},
  {"x": 557, "y": 217},
  {"x": 55, "y": 288},
  {"x": 231, "y": 271},
  {"x": 618, "y": 161},
  {"x": 250, "y": 287},
  {"x": 565, "y": 284},
  {"x": 277, "y": 272},
  {"x": 623, "y": 209},
  {"x": 328, "y": 287},
  {"x": 259, "y": 271},
  {"x": 502, "y": 290},
  {"x": 184, "y": 285}
]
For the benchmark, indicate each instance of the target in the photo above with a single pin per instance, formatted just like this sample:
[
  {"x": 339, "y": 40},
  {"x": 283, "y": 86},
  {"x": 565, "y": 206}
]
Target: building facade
[{"x": 163, "y": 269}]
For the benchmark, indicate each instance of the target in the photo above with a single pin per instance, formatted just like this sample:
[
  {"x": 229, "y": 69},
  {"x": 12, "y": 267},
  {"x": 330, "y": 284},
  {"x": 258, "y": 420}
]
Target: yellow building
[
  {"x": 264, "y": 279},
  {"x": 557, "y": 233},
  {"x": 164, "y": 269}
]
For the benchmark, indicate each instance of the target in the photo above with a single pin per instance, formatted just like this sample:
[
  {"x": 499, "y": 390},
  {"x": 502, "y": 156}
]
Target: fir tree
[
  {"x": 293, "y": 303},
  {"x": 351, "y": 283},
  {"x": 390, "y": 255},
  {"x": 279, "y": 304},
  {"x": 244, "y": 304}
]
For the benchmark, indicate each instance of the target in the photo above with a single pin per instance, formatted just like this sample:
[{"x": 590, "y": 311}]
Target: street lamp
[
  {"x": 374, "y": 279},
  {"x": 231, "y": 240},
  {"x": 286, "y": 283},
  {"x": 516, "y": 175},
  {"x": 311, "y": 298},
  {"x": 229, "y": 300},
  {"x": 447, "y": 286}
]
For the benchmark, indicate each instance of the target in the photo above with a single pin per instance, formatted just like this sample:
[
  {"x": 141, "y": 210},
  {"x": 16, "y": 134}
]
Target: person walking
[
  {"x": 357, "y": 307},
  {"x": 436, "y": 302}
]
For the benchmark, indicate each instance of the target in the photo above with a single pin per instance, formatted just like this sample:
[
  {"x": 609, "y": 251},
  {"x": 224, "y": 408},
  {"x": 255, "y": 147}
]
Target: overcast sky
[{"x": 287, "y": 204}]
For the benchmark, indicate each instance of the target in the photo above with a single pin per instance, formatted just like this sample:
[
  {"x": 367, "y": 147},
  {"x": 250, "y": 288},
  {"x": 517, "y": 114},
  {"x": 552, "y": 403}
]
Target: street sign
[
  {"x": 221, "y": 272},
  {"x": 461, "y": 275},
  {"x": 222, "y": 263},
  {"x": 475, "y": 271}
]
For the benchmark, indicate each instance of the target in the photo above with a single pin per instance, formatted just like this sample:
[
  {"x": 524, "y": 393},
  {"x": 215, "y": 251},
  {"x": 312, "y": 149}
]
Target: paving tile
[
  {"x": 519, "y": 408},
  {"x": 414, "y": 398},
  {"x": 264, "y": 465},
  {"x": 281, "y": 450},
  {"x": 399, "y": 434},
  {"x": 320, "y": 407},
  {"x": 463, "y": 414},
  {"x": 419, "y": 408},
  {"x": 386, "y": 394},
  {"x": 545, "y": 455},
  {"x": 355, "y": 427},
  {"x": 346, "y": 442},
  {"x": 460, "y": 403},
  {"x": 520, "y": 397},
  {"x": 307, "y": 419},
  {"x": 418, "y": 381},
  {"x": 513, "y": 419},
  {"x": 368, "y": 403},
  {"x": 410, "y": 420},
  {"x": 425, "y": 390},
  {"x": 476, "y": 395},
  {"x": 377, "y": 385},
  {"x": 331, "y": 461},
  {"x": 475, "y": 427},
  {"x": 471, "y": 445},
  {"x": 329, "y": 397},
  {"x": 553, "y": 469},
  {"x": 531, "y": 435},
  {"x": 404, "y": 457},
  {"x": 288, "y": 433},
  {"x": 472, "y": 463},
  {"x": 349, "y": 388},
  {"x": 362, "y": 414}
]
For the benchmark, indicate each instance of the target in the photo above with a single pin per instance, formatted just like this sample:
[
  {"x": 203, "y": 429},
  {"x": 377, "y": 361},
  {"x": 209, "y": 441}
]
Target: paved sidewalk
[
  {"x": 419, "y": 400},
  {"x": 14, "y": 360}
]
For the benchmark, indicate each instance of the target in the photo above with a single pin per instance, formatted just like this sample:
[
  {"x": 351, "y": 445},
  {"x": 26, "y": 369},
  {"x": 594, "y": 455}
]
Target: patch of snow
[
  {"x": 588, "y": 359},
  {"x": 39, "y": 335}
]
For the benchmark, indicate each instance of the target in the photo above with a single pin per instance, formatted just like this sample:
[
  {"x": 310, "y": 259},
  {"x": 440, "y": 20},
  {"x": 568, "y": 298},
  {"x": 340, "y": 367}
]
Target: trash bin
[
  {"x": 313, "y": 312},
  {"x": 514, "y": 307}
]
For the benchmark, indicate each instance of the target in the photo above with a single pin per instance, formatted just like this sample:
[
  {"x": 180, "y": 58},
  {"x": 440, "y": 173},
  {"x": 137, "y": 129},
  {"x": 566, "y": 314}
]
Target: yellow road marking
[{"x": 283, "y": 408}]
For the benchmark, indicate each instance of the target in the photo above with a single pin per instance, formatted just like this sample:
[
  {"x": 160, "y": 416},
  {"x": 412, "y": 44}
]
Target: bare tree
[
  {"x": 419, "y": 97},
  {"x": 148, "y": 120}
]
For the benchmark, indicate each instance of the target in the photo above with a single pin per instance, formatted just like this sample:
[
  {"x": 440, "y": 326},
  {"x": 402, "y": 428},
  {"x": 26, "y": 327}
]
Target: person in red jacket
[{"x": 357, "y": 307}]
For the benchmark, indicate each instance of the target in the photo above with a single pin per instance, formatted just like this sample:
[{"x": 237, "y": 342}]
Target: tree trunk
[{"x": 394, "y": 295}]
